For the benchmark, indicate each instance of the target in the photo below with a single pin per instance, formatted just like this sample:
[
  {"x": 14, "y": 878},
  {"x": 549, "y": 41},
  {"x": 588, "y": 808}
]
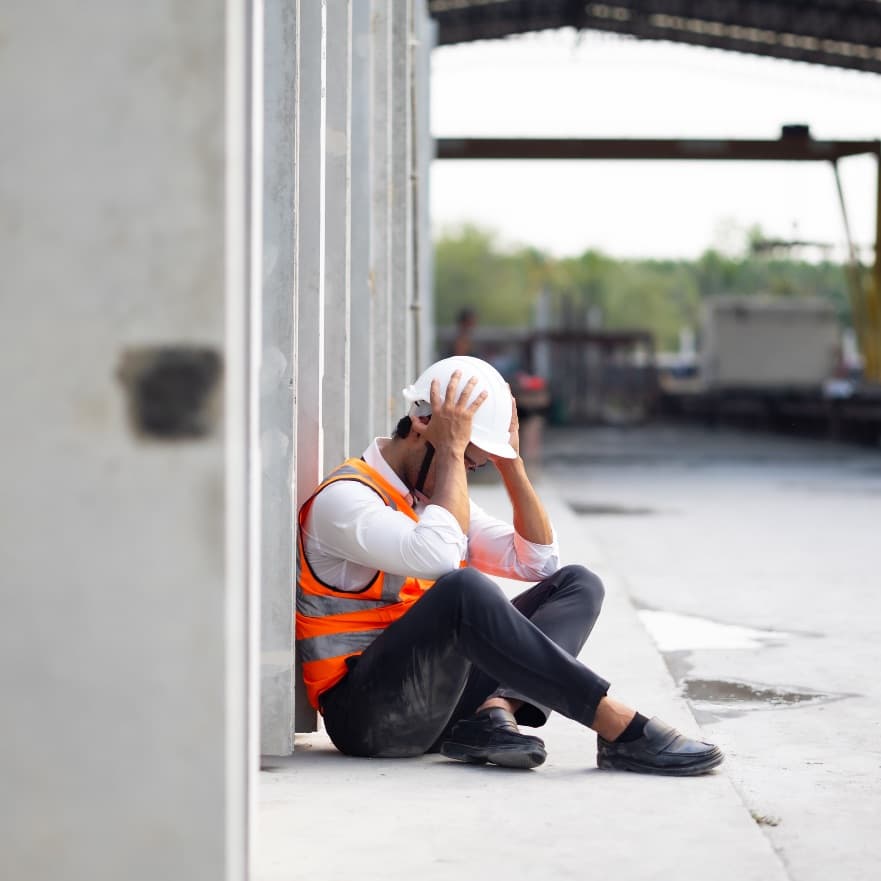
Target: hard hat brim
[{"x": 503, "y": 451}]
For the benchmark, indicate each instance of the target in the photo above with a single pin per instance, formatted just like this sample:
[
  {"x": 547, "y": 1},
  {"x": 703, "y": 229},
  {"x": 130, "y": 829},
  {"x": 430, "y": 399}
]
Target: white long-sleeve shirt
[{"x": 350, "y": 533}]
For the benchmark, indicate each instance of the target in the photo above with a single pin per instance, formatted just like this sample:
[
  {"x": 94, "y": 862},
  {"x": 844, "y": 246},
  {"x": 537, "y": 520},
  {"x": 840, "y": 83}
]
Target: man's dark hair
[
  {"x": 402, "y": 429},
  {"x": 466, "y": 316}
]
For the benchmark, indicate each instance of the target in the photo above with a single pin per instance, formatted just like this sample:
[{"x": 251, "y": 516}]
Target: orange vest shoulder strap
[{"x": 360, "y": 471}]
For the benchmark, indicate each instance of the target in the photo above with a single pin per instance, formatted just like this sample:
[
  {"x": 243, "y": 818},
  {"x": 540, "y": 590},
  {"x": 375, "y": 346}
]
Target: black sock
[{"x": 633, "y": 731}]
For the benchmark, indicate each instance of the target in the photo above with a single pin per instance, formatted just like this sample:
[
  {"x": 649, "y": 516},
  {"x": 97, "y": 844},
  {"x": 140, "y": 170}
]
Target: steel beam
[{"x": 789, "y": 149}]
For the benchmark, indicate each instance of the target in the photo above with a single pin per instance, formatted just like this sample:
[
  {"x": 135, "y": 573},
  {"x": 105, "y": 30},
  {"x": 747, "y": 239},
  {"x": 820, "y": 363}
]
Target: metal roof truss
[{"x": 840, "y": 33}]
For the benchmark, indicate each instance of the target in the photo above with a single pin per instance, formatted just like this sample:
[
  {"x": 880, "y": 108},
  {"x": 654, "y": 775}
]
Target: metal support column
[{"x": 873, "y": 371}]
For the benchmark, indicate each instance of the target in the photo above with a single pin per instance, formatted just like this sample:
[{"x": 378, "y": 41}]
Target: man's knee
[
  {"x": 588, "y": 584},
  {"x": 468, "y": 585}
]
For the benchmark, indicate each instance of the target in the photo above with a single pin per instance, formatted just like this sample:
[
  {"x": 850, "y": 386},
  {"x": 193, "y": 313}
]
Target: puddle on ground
[
  {"x": 601, "y": 509},
  {"x": 729, "y": 691},
  {"x": 678, "y": 636},
  {"x": 713, "y": 699},
  {"x": 673, "y": 632}
]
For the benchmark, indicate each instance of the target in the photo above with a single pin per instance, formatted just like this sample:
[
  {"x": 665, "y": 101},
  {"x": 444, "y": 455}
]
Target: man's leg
[
  {"x": 401, "y": 692},
  {"x": 565, "y": 607}
]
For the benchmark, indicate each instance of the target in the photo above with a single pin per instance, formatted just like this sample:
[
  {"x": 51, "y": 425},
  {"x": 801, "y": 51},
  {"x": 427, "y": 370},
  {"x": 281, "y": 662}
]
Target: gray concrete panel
[
  {"x": 123, "y": 168},
  {"x": 277, "y": 415},
  {"x": 361, "y": 407},
  {"x": 386, "y": 398},
  {"x": 401, "y": 220},
  {"x": 337, "y": 200},
  {"x": 310, "y": 277},
  {"x": 310, "y": 244},
  {"x": 423, "y": 148}
]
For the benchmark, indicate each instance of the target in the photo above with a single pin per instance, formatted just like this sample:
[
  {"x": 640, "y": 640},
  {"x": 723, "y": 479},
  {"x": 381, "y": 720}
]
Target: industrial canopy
[{"x": 840, "y": 33}]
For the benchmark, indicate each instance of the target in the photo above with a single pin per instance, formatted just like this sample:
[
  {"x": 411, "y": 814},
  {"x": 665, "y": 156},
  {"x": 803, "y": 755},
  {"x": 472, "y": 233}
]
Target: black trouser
[{"x": 460, "y": 643}]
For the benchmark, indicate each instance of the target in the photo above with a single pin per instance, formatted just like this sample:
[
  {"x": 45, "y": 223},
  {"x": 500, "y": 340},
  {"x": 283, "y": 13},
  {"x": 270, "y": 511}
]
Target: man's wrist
[
  {"x": 451, "y": 450},
  {"x": 509, "y": 466}
]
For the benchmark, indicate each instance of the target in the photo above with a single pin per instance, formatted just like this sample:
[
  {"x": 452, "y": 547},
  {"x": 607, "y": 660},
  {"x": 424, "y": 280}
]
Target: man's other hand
[
  {"x": 451, "y": 415},
  {"x": 513, "y": 433}
]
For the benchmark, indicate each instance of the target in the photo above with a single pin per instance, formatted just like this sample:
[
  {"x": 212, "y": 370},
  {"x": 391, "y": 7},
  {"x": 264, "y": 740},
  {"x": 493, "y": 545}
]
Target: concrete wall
[
  {"x": 211, "y": 246},
  {"x": 127, "y": 470},
  {"x": 346, "y": 201},
  {"x": 279, "y": 372}
]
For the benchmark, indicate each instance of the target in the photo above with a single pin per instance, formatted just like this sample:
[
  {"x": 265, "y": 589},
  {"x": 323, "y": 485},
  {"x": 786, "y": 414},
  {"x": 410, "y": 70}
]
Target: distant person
[
  {"x": 463, "y": 343},
  {"x": 407, "y": 646}
]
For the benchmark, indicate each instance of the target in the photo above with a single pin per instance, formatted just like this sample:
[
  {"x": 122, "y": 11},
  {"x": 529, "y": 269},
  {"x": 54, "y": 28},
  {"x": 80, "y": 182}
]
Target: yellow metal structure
[{"x": 871, "y": 343}]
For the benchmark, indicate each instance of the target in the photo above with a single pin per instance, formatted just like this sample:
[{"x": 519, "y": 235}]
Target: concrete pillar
[
  {"x": 362, "y": 338},
  {"x": 400, "y": 186},
  {"x": 126, "y": 475},
  {"x": 386, "y": 399},
  {"x": 309, "y": 244},
  {"x": 337, "y": 139},
  {"x": 423, "y": 147},
  {"x": 277, "y": 414}
]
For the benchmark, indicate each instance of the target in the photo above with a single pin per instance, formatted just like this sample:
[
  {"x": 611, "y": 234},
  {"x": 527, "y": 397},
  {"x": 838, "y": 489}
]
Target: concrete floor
[
  {"x": 751, "y": 561},
  {"x": 765, "y": 551}
]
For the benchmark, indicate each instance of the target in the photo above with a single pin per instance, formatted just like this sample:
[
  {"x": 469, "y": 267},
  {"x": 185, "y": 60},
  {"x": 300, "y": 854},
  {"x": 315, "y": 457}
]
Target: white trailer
[{"x": 763, "y": 342}]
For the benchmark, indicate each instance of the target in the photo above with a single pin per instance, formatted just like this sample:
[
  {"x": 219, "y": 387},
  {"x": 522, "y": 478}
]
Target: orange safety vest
[{"x": 332, "y": 624}]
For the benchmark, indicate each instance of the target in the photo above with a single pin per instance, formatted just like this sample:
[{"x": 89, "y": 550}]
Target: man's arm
[
  {"x": 350, "y": 522},
  {"x": 449, "y": 432},
  {"x": 531, "y": 521}
]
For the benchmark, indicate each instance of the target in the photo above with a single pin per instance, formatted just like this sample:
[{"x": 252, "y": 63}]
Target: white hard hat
[{"x": 492, "y": 421}]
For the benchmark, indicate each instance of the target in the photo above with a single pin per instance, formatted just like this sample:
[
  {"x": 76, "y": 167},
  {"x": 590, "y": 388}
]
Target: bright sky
[{"x": 557, "y": 83}]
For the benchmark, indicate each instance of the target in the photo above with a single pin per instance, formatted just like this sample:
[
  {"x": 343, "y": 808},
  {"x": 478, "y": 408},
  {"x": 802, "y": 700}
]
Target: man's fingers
[
  {"x": 466, "y": 392},
  {"x": 452, "y": 385},
  {"x": 453, "y": 398},
  {"x": 475, "y": 405},
  {"x": 434, "y": 397},
  {"x": 513, "y": 425}
]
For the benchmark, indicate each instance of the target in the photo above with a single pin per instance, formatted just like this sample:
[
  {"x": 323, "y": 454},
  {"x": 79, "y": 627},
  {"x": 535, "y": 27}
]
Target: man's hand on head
[
  {"x": 449, "y": 432},
  {"x": 451, "y": 415},
  {"x": 513, "y": 436}
]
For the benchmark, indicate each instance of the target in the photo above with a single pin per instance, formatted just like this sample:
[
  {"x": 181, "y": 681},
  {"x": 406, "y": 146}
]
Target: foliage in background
[{"x": 473, "y": 269}]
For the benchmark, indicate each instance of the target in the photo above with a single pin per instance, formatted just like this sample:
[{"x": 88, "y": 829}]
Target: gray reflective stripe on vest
[
  {"x": 318, "y": 648},
  {"x": 391, "y": 587},
  {"x": 318, "y": 606}
]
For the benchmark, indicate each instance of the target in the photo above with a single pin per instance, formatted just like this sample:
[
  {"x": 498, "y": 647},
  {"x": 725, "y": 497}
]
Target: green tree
[{"x": 473, "y": 269}]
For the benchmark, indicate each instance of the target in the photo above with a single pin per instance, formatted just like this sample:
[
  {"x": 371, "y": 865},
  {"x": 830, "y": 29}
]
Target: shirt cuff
[{"x": 543, "y": 560}]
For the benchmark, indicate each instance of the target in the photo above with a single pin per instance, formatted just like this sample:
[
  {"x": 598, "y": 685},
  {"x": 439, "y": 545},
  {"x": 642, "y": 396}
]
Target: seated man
[{"x": 407, "y": 647}]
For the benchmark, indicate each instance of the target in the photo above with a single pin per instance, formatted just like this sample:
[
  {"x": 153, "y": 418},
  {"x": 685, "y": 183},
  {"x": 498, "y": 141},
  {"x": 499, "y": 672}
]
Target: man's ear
[{"x": 419, "y": 424}]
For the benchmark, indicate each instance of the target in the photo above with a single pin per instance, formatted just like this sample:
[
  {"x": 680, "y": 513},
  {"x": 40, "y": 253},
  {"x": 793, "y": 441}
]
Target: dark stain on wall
[{"x": 173, "y": 391}]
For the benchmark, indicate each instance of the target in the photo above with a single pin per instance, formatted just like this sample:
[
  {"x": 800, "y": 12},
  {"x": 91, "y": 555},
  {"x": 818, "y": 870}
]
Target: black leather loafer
[
  {"x": 660, "y": 750},
  {"x": 492, "y": 736}
]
